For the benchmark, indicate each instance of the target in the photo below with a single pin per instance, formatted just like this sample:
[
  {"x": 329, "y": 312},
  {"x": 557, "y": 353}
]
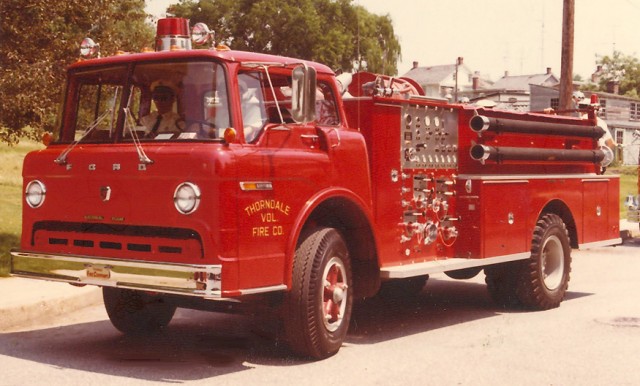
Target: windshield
[{"x": 168, "y": 101}]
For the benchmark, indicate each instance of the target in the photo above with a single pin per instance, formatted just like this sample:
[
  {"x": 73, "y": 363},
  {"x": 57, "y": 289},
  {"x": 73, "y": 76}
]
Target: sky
[{"x": 493, "y": 36}]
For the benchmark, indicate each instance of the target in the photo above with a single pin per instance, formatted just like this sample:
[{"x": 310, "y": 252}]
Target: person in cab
[{"x": 164, "y": 120}]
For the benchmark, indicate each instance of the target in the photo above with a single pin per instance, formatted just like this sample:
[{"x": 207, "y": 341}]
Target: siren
[{"x": 173, "y": 34}]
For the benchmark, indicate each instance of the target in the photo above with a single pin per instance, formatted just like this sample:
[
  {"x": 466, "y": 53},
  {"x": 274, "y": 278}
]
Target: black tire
[
  {"x": 135, "y": 312},
  {"x": 402, "y": 288},
  {"x": 318, "y": 307},
  {"x": 501, "y": 282},
  {"x": 545, "y": 276},
  {"x": 464, "y": 274}
]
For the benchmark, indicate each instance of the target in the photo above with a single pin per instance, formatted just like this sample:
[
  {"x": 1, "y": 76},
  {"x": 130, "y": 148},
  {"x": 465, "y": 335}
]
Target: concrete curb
[{"x": 33, "y": 299}]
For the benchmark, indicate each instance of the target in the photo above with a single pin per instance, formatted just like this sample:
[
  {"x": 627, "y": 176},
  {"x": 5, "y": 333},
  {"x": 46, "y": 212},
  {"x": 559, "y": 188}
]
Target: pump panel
[{"x": 429, "y": 137}]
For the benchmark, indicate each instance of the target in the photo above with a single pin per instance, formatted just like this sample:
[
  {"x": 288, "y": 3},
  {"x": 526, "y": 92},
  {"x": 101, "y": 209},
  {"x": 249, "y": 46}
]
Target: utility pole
[
  {"x": 566, "y": 73},
  {"x": 455, "y": 92}
]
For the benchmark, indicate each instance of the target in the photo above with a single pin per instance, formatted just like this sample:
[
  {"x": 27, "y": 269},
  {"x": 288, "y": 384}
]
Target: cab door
[{"x": 281, "y": 166}]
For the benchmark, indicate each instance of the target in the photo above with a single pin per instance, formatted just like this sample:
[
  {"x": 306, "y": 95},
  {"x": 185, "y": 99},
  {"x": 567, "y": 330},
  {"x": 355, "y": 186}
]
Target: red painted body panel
[{"x": 498, "y": 215}]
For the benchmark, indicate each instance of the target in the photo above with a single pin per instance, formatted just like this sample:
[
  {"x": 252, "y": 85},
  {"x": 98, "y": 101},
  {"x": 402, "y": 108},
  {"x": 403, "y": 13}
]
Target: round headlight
[
  {"x": 187, "y": 197},
  {"x": 34, "y": 193}
]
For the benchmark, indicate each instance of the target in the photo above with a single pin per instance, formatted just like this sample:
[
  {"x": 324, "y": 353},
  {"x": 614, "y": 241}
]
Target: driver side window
[{"x": 254, "y": 115}]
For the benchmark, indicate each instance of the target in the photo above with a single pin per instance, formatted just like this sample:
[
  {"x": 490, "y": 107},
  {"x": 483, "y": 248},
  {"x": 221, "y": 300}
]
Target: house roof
[
  {"x": 631, "y": 125},
  {"x": 522, "y": 82},
  {"x": 439, "y": 74},
  {"x": 601, "y": 94},
  {"x": 431, "y": 74}
]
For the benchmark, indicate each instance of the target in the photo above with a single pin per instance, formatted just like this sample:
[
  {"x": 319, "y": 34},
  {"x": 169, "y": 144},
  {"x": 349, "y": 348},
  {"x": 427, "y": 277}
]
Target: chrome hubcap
[
  {"x": 334, "y": 300},
  {"x": 552, "y": 263}
]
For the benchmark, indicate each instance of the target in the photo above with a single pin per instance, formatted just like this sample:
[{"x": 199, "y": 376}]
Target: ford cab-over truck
[{"x": 288, "y": 188}]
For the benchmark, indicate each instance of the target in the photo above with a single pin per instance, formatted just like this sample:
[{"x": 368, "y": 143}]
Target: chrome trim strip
[
  {"x": 253, "y": 291},
  {"x": 200, "y": 280},
  {"x": 597, "y": 244},
  {"x": 496, "y": 182},
  {"x": 438, "y": 266},
  {"x": 496, "y": 177},
  {"x": 388, "y": 104},
  {"x": 255, "y": 185}
]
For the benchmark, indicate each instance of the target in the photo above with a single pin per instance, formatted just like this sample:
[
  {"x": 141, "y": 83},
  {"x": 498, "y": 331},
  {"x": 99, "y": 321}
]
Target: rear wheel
[
  {"x": 318, "y": 307},
  {"x": 540, "y": 282},
  {"x": 135, "y": 312},
  {"x": 545, "y": 277}
]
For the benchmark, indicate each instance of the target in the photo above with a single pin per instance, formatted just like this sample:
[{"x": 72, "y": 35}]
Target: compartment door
[
  {"x": 595, "y": 212},
  {"x": 505, "y": 206}
]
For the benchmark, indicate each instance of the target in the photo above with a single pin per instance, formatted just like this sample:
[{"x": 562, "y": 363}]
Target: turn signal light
[
  {"x": 230, "y": 135},
  {"x": 47, "y": 138}
]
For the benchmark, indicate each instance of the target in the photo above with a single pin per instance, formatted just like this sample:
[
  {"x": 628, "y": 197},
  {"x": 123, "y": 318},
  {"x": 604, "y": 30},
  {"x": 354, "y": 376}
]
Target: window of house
[
  {"x": 619, "y": 136},
  {"x": 602, "y": 113},
  {"x": 555, "y": 103},
  {"x": 634, "y": 111}
]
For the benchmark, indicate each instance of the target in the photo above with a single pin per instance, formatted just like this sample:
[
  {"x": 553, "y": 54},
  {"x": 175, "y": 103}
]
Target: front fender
[{"x": 356, "y": 211}]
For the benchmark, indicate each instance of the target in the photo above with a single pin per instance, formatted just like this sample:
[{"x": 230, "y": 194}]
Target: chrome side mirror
[{"x": 303, "y": 98}]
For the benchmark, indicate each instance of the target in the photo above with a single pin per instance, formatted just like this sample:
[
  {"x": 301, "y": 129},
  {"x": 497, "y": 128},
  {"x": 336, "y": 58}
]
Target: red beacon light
[{"x": 173, "y": 34}]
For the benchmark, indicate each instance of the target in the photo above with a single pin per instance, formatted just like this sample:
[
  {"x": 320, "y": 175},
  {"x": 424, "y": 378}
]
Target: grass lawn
[{"x": 11, "y": 197}]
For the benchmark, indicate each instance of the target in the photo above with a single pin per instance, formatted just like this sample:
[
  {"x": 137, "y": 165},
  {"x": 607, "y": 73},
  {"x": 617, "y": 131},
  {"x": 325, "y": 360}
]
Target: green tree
[
  {"x": 621, "y": 68},
  {"x": 39, "y": 38},
  {"x": 334, "y": 32}
]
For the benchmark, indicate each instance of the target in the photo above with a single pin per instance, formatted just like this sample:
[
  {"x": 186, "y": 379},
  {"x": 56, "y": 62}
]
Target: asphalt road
[{"x": 451, "y": 334}]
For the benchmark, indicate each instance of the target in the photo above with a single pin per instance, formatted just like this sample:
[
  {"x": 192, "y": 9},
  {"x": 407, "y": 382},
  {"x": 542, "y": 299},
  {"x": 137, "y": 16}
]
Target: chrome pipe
[{"x": 481, "y": 123}]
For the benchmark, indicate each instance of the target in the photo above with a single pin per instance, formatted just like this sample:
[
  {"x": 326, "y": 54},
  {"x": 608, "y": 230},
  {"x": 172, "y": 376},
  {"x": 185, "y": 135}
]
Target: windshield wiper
[
  {"x": 62, "y": 158},
  {"x": 130, "y": 124}
]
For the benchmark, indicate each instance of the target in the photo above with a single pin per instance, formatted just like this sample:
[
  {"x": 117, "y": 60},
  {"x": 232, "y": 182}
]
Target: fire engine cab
[{"x": 205, "y": 177}]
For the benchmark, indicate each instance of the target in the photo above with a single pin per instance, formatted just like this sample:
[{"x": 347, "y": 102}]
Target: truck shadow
[
  {"x": 442, "y": 303},
  {"x": 201, "y": 345},
  {"x": 631, "y": 242}
]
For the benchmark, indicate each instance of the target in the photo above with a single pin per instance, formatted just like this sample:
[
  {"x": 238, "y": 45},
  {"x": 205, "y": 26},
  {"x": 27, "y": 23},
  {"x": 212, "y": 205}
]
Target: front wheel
[
  {"x": 318, "y": 307},
  {"x": 135, "y": 312},
  {"x": 545, "y": 277}
]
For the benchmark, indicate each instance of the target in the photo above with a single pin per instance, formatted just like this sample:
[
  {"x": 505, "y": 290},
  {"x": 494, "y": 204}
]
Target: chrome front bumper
[{"x": 202, "y": 281}]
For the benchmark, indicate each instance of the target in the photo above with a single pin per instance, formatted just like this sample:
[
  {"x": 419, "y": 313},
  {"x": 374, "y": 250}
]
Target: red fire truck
[{"x": 274, "y": 183}]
